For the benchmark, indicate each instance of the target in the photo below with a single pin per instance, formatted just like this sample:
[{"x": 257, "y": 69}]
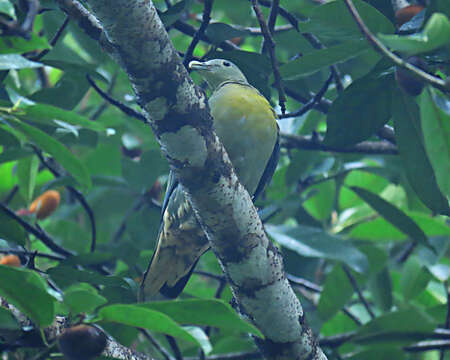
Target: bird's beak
[{"x": 197, "y": 65}]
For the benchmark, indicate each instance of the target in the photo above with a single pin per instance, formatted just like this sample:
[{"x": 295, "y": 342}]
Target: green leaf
[
  {"x": 393, "y": 214},
  {"x": 435, "y": 120},
  {"x": 398, "y": 326},
  {"x": 218, "y": 32},
  {"x": 201, "y": 338},
  {"x": 213, "y": 312},
  {"x": 414, "y": 279},
  {"x": 14, "y": 154},
  {"x": 333, "y": 21},
  {"x": 7, "y": 320},
  {"x": 27, "y": 170},
  {"x": 80, "y": 301},
  {"x": 61, "y": 154},
  {"x": 10, "y": 230},
  {"x": 48, "y": 114},
  {"x": 378, "y": 353},
  {"x": 141, "y": 317},
  {"x": 27, "y": 291},
  {"x": 19, "y": 45},
  {"x": 95, "y": 258},
  {"x": 380, "y": 286},
  {"x": 319, "y": 59},
  {"x": 333, "y": 298},
  {"x": 14, "y": 61},
  {"x": 8, "y": 9},
  {"x": 435, "y": 35},
  {"x": 412, "y": 152},
  {"x": 360, "y": 111},
  {"x": 313, "y": 242},
  {"x": 172, "y": 14}
]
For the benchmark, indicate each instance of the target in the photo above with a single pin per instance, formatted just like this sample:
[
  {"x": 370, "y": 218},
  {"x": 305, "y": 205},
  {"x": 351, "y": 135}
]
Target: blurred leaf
[
  {"x": 321, "y": 204},
  {"x": 218, "y": 32},
  {"x": 14, "y": 61},
  {"x": 414, "y": 279},
  {"x": 18, "y": 286},
  {"x": 7, "y": 8},
  {"x": 80, "y": 301},
  {"x": 48, "y": 114},
  {"x": 143, "y": 174},
  {"x": 380, "y": 286},
  {"x": 435, "y": 120},
  {"x": 313, "y": 242},
  {"x": 401, "y": 326},
  {"x": 377, "y": 352},
  {"x": 394, "y": 215},
  {"x": 61, "y": 154},
  {"x": 201, "y": 338},
  {"x": 7, "y": 320},
  {"x": 67, "y": 92},
  {"x": 214, "y": 313},
  {"x": 141, "y": 317},
  {"x": 435, "y": 34},
  {"x": 173, "y": 13},
  {"x": 333, "y": 21},
  {"x": 95, "y": 258},
  {"x": 362, "y": 109},
  {"x": 27, "y": 170},
  {"x": 319, "y": 59},
  {"x": 333, "y": 298},
  {"x": 19, "y": 45},
  {"x": 412, "y": 152},
  {"x": 10, "y": 230}
]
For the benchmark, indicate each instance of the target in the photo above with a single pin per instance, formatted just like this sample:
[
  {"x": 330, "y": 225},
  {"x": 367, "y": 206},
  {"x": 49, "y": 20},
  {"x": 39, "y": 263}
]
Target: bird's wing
[{"x": 270, "y": 167}]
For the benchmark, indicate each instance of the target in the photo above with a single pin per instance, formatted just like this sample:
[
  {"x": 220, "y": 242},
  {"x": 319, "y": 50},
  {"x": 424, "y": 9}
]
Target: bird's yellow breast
[{"x": 245, "y": 123}]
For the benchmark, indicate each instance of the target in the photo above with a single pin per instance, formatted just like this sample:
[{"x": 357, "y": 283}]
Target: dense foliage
[{"x": 358, "y": 205}]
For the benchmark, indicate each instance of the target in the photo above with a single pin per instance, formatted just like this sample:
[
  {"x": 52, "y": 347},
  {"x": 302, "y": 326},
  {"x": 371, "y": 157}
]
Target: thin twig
[
  {"x": 11, "y": 195},
  {"x": 283, "y": 12},
  {"x": 78, "y": 195},
  {"x": 271, "y": 47},
  {"x": 355, "y": 286},
  {"x": 175, "y": 348},
  {"x": 198, "y": 34},
  {"x": 291, "y": 141},
  {"x": 271, "y": 22},
  {"x": 306, "y": 284},
  {"x": 422, "y": 346},
  {"x": 54, "y": 40},
  {"x": 310, "y": 104},
  {"x": 105, "y": 103},
  {"x": 165, "y": 354},
  {"x": 37, "y": 232},
  {"x": 323, "y": 106},
  {"x": 34, "y": 253},
  {"x": 210, "y": 275},
  {"x": 122, "y": 107},
  {"x": 383, "y": 50}
]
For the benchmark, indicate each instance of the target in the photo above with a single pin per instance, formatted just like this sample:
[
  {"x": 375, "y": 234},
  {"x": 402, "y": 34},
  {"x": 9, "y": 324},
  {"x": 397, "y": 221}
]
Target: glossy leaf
[
  {"x": 313, "y": 242},
  {"x": 319, "y": 59},
  {"x": 414, "y": 279},
  {"x": 80, "y": 301},
  {"x": 18, "y": 286},
  {"x": 27, "y": 170},
  {"x": 359, "y": 112},
  {"x": 141, "y": 317},
  {"x": 14, "y": 61},
  {"x": 61, "y": 154},
  {"x": 435, "y": 35},
  {"x": 214, "y": 313},
  {"x": 7, "y": 320},
  {"x": 418, "y": 169},
  {"x": 393, "y": 214},
  {"x": 435, "y": 120},
  {"x": 10, "y": 230}
]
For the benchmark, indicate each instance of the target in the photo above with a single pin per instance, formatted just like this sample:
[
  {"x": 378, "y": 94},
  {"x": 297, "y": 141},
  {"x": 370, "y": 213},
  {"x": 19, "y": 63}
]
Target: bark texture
[{"x": 179, "y": 116}]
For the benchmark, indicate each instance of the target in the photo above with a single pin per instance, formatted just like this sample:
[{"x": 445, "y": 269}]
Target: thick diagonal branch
[{"x": 180, "y": 119}]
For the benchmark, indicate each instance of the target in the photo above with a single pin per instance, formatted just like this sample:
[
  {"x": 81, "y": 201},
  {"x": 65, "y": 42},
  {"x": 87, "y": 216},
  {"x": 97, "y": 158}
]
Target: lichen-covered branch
[{"x": 180, "y": 119}]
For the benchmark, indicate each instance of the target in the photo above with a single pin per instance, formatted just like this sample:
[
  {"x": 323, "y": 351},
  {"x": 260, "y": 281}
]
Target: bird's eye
[{"x": 226, "y": 63}]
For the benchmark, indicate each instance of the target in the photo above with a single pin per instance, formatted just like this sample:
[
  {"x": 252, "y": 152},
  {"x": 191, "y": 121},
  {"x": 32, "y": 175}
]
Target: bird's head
[{"x": 217, "y": 71}]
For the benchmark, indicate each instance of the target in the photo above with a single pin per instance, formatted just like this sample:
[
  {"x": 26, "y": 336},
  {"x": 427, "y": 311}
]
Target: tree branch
[
  {"x": 291, "y": 141},
  {"x": 182, "y": 124},
  {"x": 383, "y": 50}
]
